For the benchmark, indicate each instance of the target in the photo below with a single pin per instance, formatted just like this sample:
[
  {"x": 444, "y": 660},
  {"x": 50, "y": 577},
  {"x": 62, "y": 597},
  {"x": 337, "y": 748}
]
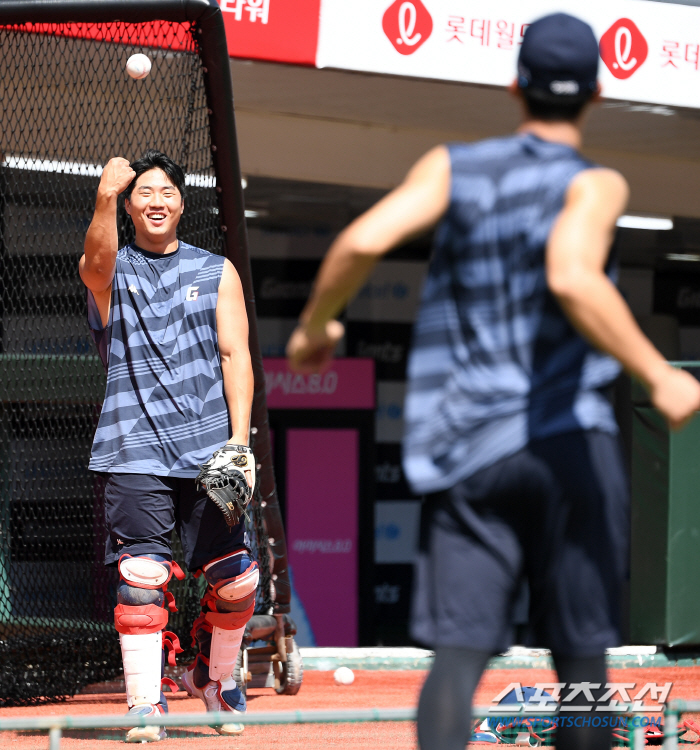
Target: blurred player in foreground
[
  {"x": 170, "y": 324},
  {"x": 508, "y": 430}
]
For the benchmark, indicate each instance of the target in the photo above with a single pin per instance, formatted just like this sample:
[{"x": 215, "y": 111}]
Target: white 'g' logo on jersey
[{"x": 192, "y": 293}]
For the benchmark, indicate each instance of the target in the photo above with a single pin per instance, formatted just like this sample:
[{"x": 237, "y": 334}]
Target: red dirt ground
[{"x": 372, "y": 688}]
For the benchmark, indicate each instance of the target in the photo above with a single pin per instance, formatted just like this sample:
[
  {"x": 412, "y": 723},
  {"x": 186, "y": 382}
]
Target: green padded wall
[{"x": 665, "y": 550}]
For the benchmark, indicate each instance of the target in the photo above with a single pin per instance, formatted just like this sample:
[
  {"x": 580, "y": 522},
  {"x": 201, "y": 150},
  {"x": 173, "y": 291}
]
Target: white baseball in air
[
  {"x": 138, "y": 66},
  {"x": 343, "y": 676}
]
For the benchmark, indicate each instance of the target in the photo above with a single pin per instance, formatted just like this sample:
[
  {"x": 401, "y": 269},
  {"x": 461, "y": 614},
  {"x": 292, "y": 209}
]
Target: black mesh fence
[{"x": 67, "y": 107}]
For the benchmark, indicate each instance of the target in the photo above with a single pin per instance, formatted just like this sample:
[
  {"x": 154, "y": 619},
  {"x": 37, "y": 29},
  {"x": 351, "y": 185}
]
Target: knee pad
[
  {"x": 141, "y": 580},
  {"x": 142, "y": 593},
  {"x": 227, "y": 606},
  {"x": 233, "y": 582}
]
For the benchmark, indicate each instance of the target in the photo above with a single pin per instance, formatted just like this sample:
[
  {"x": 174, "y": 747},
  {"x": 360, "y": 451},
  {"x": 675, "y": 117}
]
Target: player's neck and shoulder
[
  {"x": 432, "y": 185},
  {"x": 543, "y": 140},
  {"x": 178, "y": 249},
  {"x": 534, "y": 139},
  {"x": 592, "y": 181}
]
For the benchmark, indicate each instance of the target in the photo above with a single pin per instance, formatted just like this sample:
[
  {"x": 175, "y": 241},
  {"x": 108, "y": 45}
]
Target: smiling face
[{"x": 155, "y": 207}]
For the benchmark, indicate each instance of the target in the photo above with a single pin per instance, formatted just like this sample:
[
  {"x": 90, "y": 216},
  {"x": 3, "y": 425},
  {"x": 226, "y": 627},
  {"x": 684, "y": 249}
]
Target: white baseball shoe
[
  {"x": 146, "y": 734},
  {"x": 217, "y": 696}
]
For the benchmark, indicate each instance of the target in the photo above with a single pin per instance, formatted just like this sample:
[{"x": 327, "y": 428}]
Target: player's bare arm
[
  {"x": 101, "y": 241},
  {"x": 229, "y": 476},
  {"x": 577, "y": 254},
  {"x": 232, "y": 331},
  {"x": 412, "y": 208}
]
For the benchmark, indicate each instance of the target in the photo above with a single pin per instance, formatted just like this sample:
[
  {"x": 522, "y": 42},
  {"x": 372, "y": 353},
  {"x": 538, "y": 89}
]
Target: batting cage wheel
[
  {"x": 291, "y": 671},
  {"x": 68, "y": 106},
  {"x": 276, "y": 665}
]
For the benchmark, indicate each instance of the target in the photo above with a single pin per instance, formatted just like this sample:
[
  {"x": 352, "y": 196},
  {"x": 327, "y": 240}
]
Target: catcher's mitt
[{"x": 223, "y": 478}]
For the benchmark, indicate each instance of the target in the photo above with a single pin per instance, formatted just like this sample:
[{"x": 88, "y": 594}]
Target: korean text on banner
[
  {"x": 277, "y": 30},
  {"x": 650, "y": 51}
]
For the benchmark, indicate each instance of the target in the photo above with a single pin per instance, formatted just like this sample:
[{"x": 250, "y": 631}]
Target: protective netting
[{"x": 67, "y": 107}]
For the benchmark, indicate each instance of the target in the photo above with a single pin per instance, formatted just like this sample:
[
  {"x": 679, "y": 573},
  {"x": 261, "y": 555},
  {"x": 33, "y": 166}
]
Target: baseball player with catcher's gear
[
  {"x": 508, "y": 429},
  {"x": 170, "y": 324}
]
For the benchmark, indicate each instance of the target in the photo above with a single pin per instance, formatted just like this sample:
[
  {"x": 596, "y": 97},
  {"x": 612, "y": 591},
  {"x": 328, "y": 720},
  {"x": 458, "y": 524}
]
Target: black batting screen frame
[{"x": 59, "y": 121}]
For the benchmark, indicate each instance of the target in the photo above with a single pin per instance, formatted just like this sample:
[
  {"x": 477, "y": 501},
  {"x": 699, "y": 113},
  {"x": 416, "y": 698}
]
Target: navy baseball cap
[{"x": 559, "y": 55}]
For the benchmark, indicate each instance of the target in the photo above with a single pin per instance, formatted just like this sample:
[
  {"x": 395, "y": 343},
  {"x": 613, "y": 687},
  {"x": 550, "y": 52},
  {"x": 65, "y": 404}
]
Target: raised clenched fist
[{"x": 116, "y": 176}]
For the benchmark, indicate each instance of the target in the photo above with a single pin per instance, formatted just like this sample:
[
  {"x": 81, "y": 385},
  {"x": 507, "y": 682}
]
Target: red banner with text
[{"x": 277, "y": 30}]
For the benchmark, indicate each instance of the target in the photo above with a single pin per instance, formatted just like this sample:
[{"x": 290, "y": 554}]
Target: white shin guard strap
[
  {"x": 225, "y": 645},
  {"x": 142, "y": 658}
]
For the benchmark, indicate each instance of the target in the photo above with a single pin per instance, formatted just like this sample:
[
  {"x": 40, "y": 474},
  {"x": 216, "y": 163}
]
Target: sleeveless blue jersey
[
  {"x": 164, "y": 410},
  {"x": 495, "y": 363}
]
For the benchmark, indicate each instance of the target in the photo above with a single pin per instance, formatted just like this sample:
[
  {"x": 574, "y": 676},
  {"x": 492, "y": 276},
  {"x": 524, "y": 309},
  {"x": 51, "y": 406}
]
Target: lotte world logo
[
  {"x": 407, "y": 24},
  {"x": 623, "y": 48}
]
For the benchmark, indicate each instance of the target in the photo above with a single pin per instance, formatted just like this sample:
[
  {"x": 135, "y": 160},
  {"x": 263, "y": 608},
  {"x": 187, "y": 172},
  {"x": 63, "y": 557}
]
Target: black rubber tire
[
  {"x": 238, "y": 670},
  {"x": 292, "y": 671}
]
